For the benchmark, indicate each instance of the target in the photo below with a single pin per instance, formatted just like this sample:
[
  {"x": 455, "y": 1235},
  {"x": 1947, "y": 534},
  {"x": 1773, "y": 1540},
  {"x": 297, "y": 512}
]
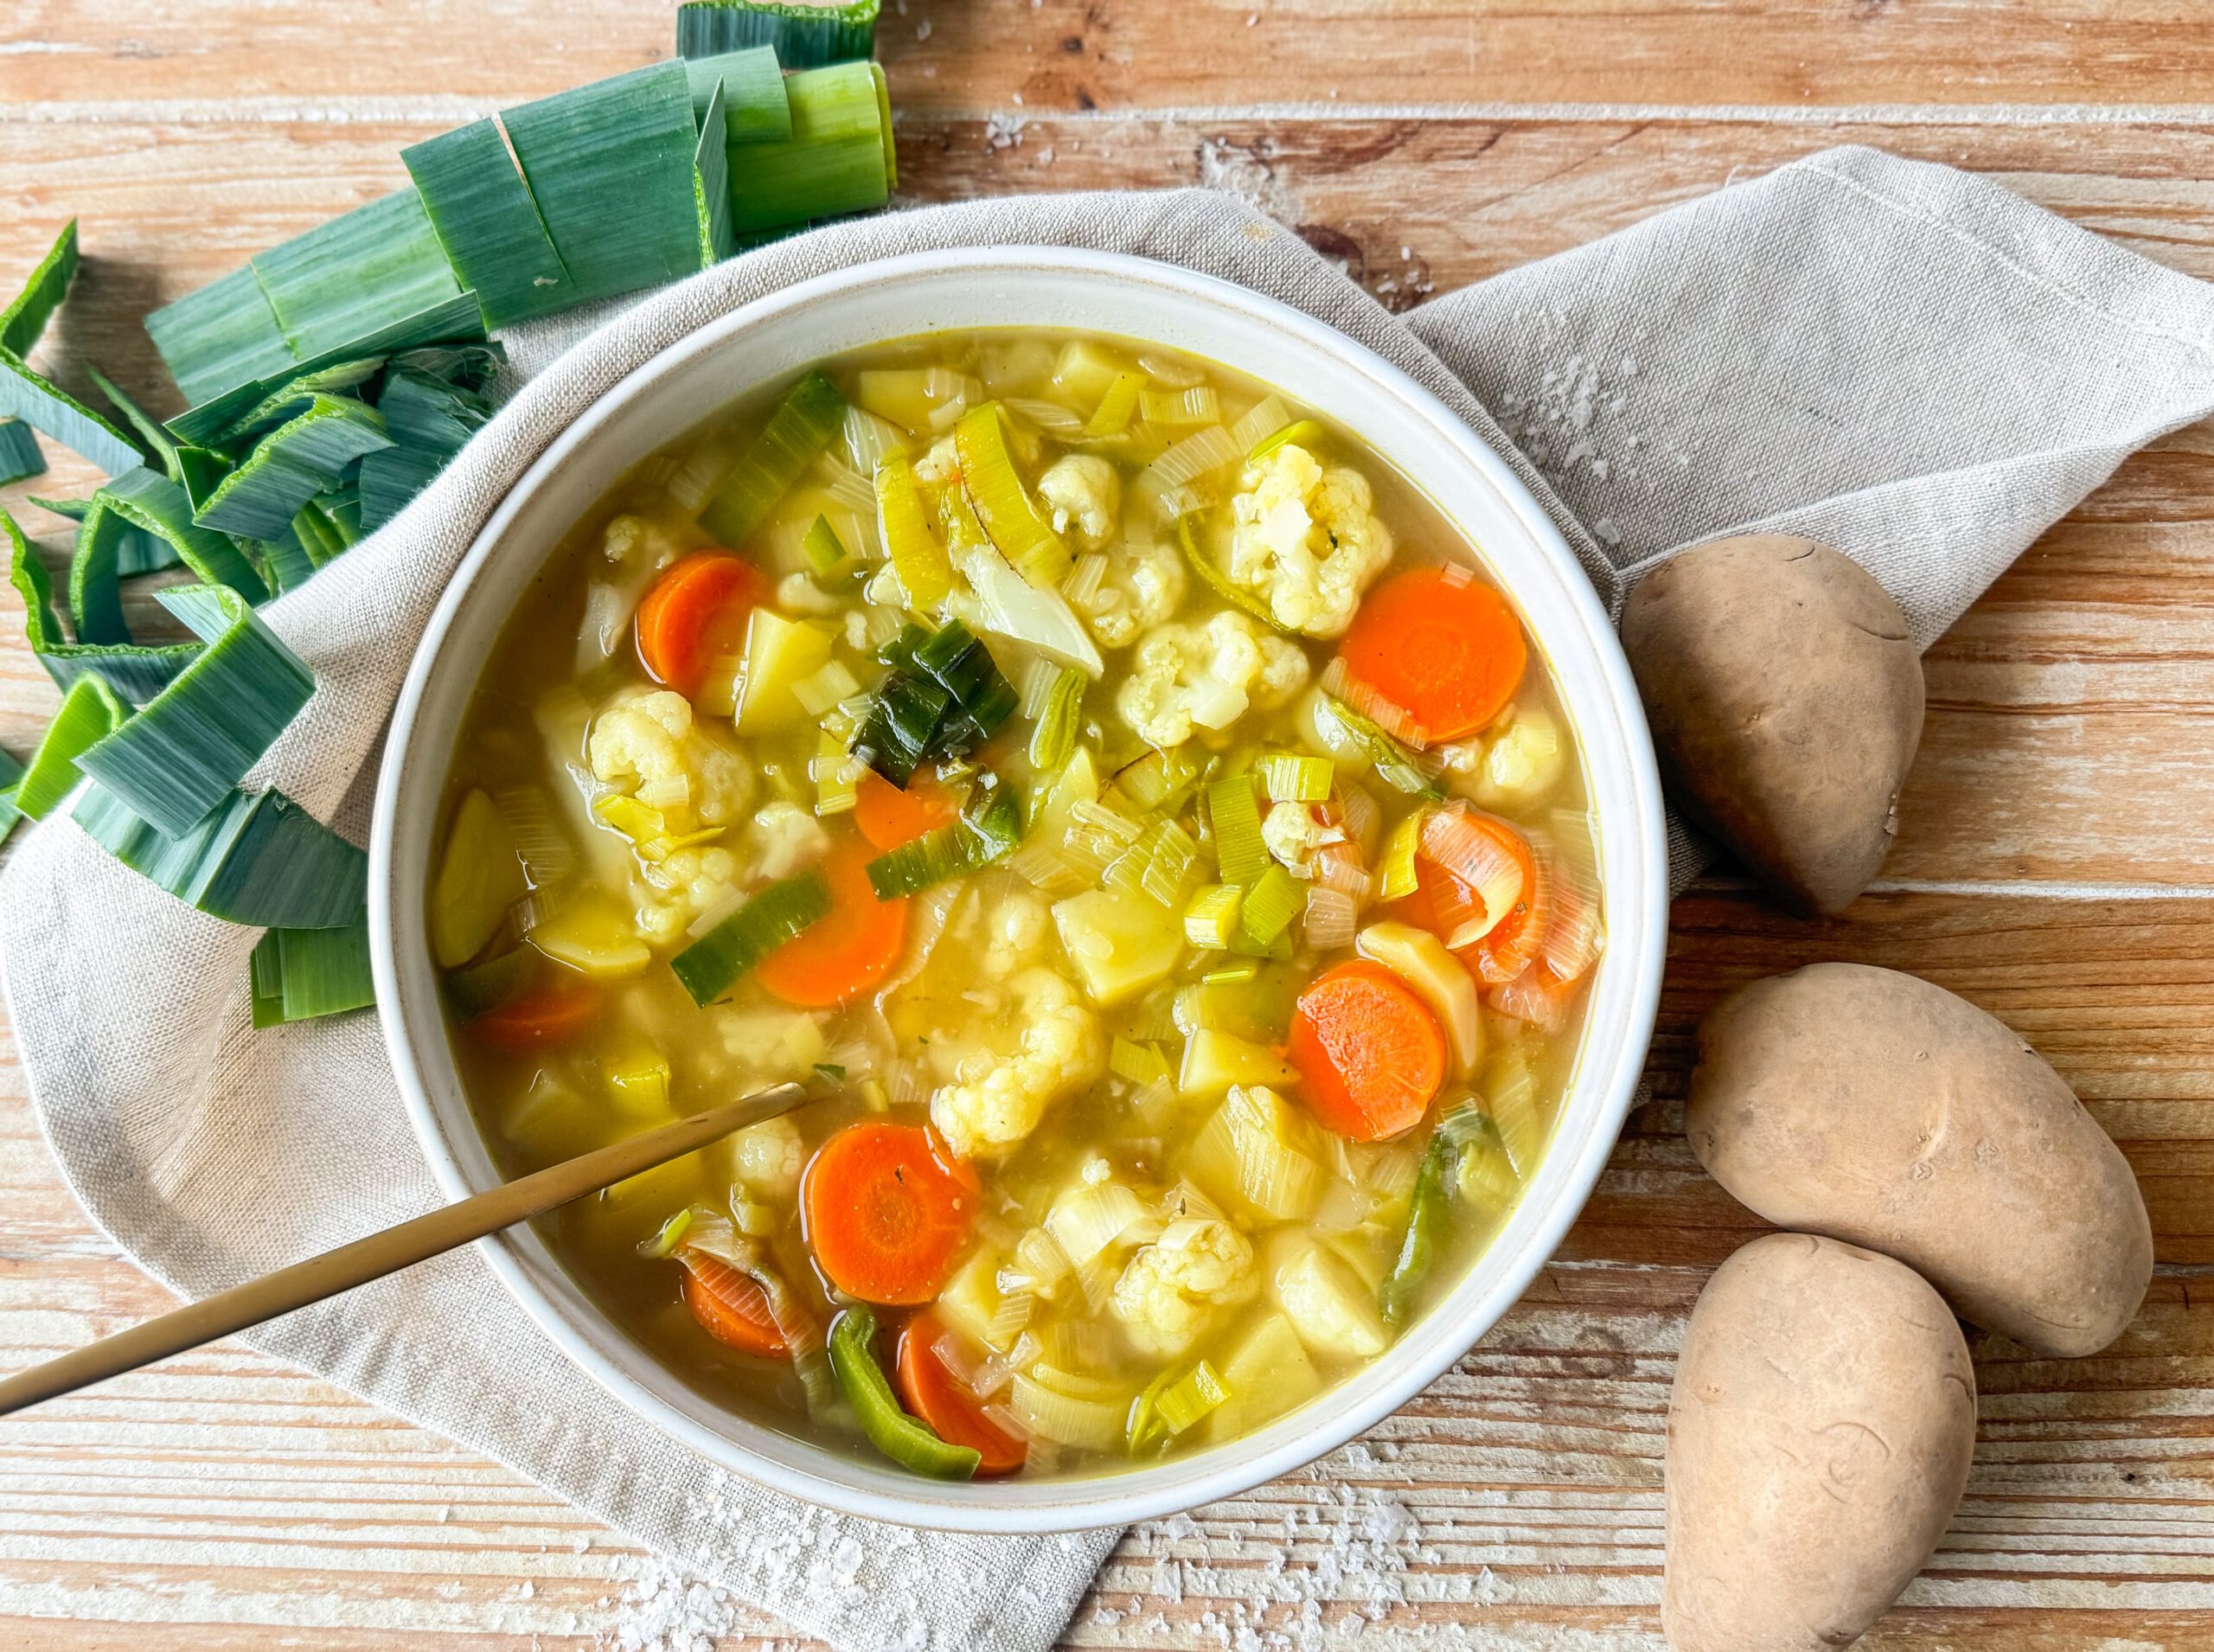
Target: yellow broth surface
[{"x": 1166, "y": 1227}]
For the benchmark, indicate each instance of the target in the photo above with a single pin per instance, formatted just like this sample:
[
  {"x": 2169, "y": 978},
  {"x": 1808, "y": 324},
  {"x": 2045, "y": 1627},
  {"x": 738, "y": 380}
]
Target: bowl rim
[{"x": 1636, "y": 897}]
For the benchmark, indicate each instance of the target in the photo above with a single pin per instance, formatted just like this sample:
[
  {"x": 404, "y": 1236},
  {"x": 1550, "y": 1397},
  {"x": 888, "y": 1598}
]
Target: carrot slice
[
  {"x": 888, "y": 816},
  {"x": 845, "y": 953},
  {"x": 730, "y": 1307},
  {"x": 551, "y": 1015},
  {"x": 696, "y": 610},
  {"x": 1442, "y": 645},
  {"x": 1370, "y": 1054},
  {"x": 886, "y": 1216},
  {"x": 931, "y": 1390}
]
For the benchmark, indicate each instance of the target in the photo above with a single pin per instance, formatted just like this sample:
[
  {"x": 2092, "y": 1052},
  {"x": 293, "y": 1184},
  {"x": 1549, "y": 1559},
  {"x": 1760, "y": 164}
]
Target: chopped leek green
[
  {"x": 1270, "y": 905},
  {"x": 356, "y": 274},
  {"x": 986, "y": 832},
  {"x": 430, "y": 414},
  {"x": 186, "y": 750},
  {"x": 907, "y": 1441},
  {"x": 822, "y": 548},
  {"x": 983, "y": 698},
  {"x": 1234, "y": 815},
  {"x": 755, "y": 108},
  {"x": 292, "y": 464},
  {"x": 1010, "y": 515},
  {"x": 611, "y": 167},
  {"x": 150, "y": 429},
  {"x": 135, "y": 673},
  {"x": 1052, "y": 739},
  {"x": 1428, "y": 1217},
  {"x": 483, "y": 986},
  {"x": 1397, "y": 766},
  {"x": 902, "y": 722},
  {"x": 805, "y": 36},
  {"x": 1212, "y": 576},
  {"x": 711, "y": 180},
  {"x": 1292, "y": 777},
  {"x": 300, "y": 974},
  {"x": 1112, "y": 416},
  {"x": 223, "y": 335},
  {"x": 1305, "y": 431},
  {"x": 806, "y": 421},
  {"x": 293, "y": 394},
  {"x": 27, "y": 396},
  {"x": 487, "y": 222},
  {"x": 1190, "y": 1398},
  {"x": 1398, "y": 876},
  {"x": 391, "y": 478},
  {"x": 926, "y": 571},
  {"x": 90, "y": 712},
  {"x": 19, "y": 451},
  {"x": 134, "y": 506},
  {"x": 1211, "y": 921},
  {"x": 10, "y": 769},
  {"x": 258, "y": 858},
  {"x": 709, "y": 967},
  {"x": 839, "y": 159}
]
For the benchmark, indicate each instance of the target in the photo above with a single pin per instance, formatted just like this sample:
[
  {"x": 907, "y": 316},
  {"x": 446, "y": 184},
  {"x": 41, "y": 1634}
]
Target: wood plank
[{"x": 996, "y": 54}]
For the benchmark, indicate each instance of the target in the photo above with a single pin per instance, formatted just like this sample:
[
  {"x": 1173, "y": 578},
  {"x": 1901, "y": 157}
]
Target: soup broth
[{"x": 1122, "y": 801}]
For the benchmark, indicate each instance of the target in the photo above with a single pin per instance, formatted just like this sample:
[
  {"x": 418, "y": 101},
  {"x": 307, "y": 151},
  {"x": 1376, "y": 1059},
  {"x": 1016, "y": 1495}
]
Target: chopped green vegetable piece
[
  {"x": 830, "y": 1072},
  {"x": 755, "y": 108},
  {"x": 488, "y": 223},
  {"x": 19, "y": 452},
  {"x": 1191, "y": 1397},
  {"x": 982, "y": 697},
  {"x": 391, "y": 478},
  {"x": 986, "y": 831},
  {"x": 355, "y": 275},
  {"x": 258, "y": 859},
  {"x": 1289, "y": 777},
  {"x": 710, "y": 964},
  {"x": 480, "y": 987},
  {"x": 823, "y": 548},
  {"x": 805, "y": 422},
  {"x": 186, "y": 750},
  {"x": 27, "y": 396},
  {"x": 668, "y": 1237},
  {"x": 301, "y": 974},
  {"x": 711, "y": 181},
  {"x": 295, "y": 393},
  {"x": 24, "y": 320},
  {"x": 1305, "y": 431},
  {"x": 1397, "y": 766},
  {"x": 1398, "y": 876},
  {"x": 223, "y": 335},
  {"x": 150, "y": 429},
  {"x": 805, "y": 36},
  {"x": 1010, "y": 515},
  {"x": 1429, "y": 1216},
  {"x": 1212, "y": 576},
  {"x": 90, "y": 712},
  {"x": 1240, "y": 854},
  {"x": 1211, "y": 921},
  {"x": 1053, "y": 740},
  {"x": 901, "y": 725},
  {"x": 839, "y": 159},
  {"x": 907, "y": 1441},
  {"x": 1141, "y": 1063},
  {"x": 926, "y": 571},
  {"x": 611, "y": 167},
  {"x": 9, "y": 814},
  {"x": 300, "y": 458},
  {"x": 419, "y": 410},
  {"x": 133, "y": 507},
  {"x": 137, "y": 674},
  {"x": 1270, "y": 905}
]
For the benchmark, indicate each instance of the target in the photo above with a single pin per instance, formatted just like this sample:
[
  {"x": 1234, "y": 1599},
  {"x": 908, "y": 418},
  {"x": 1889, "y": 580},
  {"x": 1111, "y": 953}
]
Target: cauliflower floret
[
  {"x": 1293, "y": 835},
  {"x": 647, "y": 745},
  {"x": 1019, "y": 927},
  {"x": 999, "y": 1093},
  {"x": 1521, "y": 762},
  {"x": 781, "y": 838},
  {"x": 1142, "y": 587},
  {"x": 1327, "y": 1307},
  {"x": 1304, "y": 539},
  {"x": 767, "y": 1159},
  {"x": 1173, "y": 1288},
  {"x": 1084, "y": 493},
  {"x": 669, "y": 894},
  {"x": 1206, "y": 676},
  {"x": 939, "y": 467},
  {"x": 798, "y": 594}
]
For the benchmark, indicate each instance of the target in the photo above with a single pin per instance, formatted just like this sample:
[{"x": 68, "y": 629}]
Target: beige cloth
[{"x": 1907, "y": 361}]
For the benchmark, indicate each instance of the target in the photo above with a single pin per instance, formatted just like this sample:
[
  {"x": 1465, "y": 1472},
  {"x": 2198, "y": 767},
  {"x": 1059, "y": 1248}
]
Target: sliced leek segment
[
  {"x": 221, "y": 336},
  {"x": 487, "y": 224},
  {"x": 711, "y": 180},
  {"x": 133, "y": 509},
  {"x": 19, "y": 452},
  {"x": 1010, "y": 515},
  {"x": 300, "y": 458},
  {"x": 300, "y": 974},
  {"x": 806, "y": 421},
  {"x": 391, "y": 478},
  {"x": 710, "y": 964},
  {"x": 258, "y": 858},
  {"x": 839, "y": 159},
  {"x": 90, "y": 712},
  {"x": 135, "y": 673},
  {"x": 355, "y": 275},
  {"x": 186, "y": 750},
  {"x": 805, "y": 36},
  {"x": 150, "y": 429},
  {"x": 755, "y": 108},
  {"x": 24, "y": 394}
]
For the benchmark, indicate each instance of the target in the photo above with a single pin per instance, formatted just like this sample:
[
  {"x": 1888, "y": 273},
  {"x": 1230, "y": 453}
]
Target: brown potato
[
  {"x": 1876, "y": 1108},
  {"x": 1785, "y": 695},
  {"x": 1819, "y": 1436}
]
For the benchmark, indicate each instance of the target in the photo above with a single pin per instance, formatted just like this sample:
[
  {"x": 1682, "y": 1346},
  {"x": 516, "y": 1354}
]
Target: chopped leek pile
[{"x": 331, "y": 379}]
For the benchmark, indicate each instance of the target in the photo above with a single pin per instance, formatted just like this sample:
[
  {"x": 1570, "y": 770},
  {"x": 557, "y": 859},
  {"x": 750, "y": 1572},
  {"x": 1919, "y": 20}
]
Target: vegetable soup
[{"x": 1108, "y": 788}]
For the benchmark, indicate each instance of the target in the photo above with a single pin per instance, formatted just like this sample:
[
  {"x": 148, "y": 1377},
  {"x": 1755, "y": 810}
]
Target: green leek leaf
[
  {"x": 356, "y": 274},
  {"x": 137, "y": 674},
  {"x": 487, "y": 222},
  {"x": 144, "y": 503},
  {"x": 611, "y": 167},
  {"x": 24, "y": 319},
  {"x": 286, "y": 560},
  {"x": 9, "y": 814},
  {"x": 221, "y": 336},
  {"x": 199, "y": 471},
  {"x": 391, "y": 478},
  {"x": 155, "y": 438},
  {"x": 423, "y": 412},
  {"x": 90, "y": 712},
  {"x": 839, "y": 159},
  {"x": 258, "y": 858},
  {"x": 299, "y": 974},
  {"x": 804, "y": 36},
  {"x": 190, "y": 746},
  {"x": 467, "y": 364},
  {"x": 710, "y": 964},
  {"x": 755, "y": 109},
  {"x": 811, "y": 414},
  {"x": 292, "y": 464},
  {"x": 295, "y": 393},
  {"x": 28, "y": 397},
  {"x": 19, "y": 450},
  {"x": 711, "y": 180}
]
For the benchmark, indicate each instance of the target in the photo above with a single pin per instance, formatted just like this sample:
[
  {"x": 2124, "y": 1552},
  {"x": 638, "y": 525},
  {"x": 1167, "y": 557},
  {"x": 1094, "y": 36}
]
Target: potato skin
[
  {"x": 1879, "y": 1109},
  {"x": 1785, "y": 700},
  {"x": 1818, "y": 1438}
]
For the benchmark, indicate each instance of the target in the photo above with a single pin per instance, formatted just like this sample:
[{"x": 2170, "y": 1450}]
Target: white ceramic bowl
[{"x": 1048, "y": 287}]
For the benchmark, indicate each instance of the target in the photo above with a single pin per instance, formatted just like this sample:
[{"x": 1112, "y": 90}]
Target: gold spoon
[{"x": 410, "y": 1242}]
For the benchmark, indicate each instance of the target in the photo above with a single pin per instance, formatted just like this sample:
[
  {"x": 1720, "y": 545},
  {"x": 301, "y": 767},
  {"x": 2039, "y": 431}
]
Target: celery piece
[
  {"x": 907, "y": 1441},
  {"x": 301, "y": 974},
  {"x": 488, "y": 223},
  {"x": 1211, "y": 921},
  {"x": 709, "y": 967},
  {"x": 804, "y": 36},
  {"x": 806, "y": 421},
  {"x": 360, "y": 273},
  {"x": 1234, "y": 816},
  {"x": 258, "y": 858},
  {"x": 135, "y": 673},
  {"x": 89, "y": 712}
]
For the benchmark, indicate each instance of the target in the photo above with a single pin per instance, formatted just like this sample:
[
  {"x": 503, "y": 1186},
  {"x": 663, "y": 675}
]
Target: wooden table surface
[{"x": 2056, "y": 864}]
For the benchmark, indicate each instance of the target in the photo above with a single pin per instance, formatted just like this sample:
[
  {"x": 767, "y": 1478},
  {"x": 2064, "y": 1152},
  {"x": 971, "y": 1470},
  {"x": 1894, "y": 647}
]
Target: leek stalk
[
  {"x": 925, "y": 570},
  {"x": 90, "y": 712},
  {"x": 258, "y": 858},
  {"x": 985, "y": 832},
  {"x": 354, "y": 275},
  {"x": 292, "y": 464},
  {"x": 806, "y": 421},
  {"x": 805, "y": 36},
  {"x": 488, "y": 223},
  {"x": 909, "y": 1443},
  {"x": 300, "y": 974},
  {"x": 710, "y": 964},
  {"x": 135, "y": 673},
  {"x": 1010, "y": 515},
  {"x": 838, "y": 159},
  {"x": 132, "y": 510}
]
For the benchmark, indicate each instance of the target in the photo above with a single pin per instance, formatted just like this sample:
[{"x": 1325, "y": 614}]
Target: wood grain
[{"x": 2055, "y": 866}]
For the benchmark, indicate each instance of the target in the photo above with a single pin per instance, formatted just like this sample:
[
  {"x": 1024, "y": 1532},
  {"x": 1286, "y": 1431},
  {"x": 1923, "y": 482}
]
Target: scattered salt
[{"x": 922, "y": 30}]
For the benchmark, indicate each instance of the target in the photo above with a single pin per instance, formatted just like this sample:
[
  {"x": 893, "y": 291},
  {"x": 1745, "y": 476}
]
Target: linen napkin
[{"x": 1907, "y": 361}]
